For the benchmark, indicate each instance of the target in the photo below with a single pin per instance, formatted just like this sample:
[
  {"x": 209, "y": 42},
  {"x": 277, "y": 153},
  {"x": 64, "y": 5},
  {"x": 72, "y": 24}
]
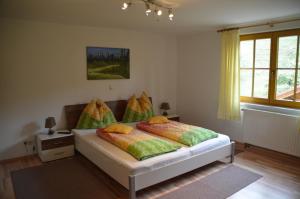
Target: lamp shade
[
  {"x": 50, "y": 122},
  {"x": 165, "y": 106}
]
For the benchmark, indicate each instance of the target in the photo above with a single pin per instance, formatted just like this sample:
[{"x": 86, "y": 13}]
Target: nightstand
[
  {"x": 56, "y": 146},
  {"x": 173, "y": 117}
]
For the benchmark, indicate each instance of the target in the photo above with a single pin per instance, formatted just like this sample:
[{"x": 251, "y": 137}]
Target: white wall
[{"x": 43, "y": 68}]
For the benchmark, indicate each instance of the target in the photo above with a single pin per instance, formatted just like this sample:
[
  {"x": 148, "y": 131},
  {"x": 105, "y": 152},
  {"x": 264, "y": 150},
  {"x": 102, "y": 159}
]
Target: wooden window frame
[{"x": 274, "y": 36}]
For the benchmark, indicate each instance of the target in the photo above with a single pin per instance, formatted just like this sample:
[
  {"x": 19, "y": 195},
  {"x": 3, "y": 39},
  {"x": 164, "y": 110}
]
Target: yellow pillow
[
  {"x": 118, "y": 128},
  {"x": 158, "y": 120}
]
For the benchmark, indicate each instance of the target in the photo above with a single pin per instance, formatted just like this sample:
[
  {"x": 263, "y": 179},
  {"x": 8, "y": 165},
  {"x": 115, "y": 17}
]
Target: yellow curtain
[
  {"x": 299, "y": 124},
  {"x": 229, "y": 94}
]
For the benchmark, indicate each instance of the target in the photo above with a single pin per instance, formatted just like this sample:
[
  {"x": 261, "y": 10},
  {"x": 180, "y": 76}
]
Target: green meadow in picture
[{"x": 107, "y": 63}]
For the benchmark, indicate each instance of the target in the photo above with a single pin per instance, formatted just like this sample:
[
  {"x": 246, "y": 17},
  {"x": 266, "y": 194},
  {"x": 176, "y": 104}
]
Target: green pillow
[
  {"x": 95, "y": 115},
  {"x": 138, "y": 110}
]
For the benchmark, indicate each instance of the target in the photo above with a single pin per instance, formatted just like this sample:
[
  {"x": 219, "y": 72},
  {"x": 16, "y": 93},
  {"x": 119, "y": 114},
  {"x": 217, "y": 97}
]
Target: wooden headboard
[{"x": 73, "y": 112}]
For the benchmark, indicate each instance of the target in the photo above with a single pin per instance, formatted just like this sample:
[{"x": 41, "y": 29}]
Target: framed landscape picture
[{"x": 107, "y": 63}]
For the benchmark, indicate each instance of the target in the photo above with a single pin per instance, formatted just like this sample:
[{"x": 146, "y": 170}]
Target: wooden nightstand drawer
[
  {"x": 56, "y": 146},
  {"x": 57, "y": 142},
  {"x": 57, "y": 153}
]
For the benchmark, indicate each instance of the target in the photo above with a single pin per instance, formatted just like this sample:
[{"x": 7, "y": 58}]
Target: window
[{"x": 270, "y": 68}]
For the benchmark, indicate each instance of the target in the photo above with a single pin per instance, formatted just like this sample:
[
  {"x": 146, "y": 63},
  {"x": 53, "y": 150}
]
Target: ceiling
[{"x": 190, "y": 15}]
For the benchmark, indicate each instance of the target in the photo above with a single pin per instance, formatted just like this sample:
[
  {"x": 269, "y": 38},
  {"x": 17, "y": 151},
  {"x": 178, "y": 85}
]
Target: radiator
[{"x": 275, "y": 131}]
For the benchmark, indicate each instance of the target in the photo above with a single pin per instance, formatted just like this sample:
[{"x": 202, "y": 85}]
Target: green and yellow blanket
[
  {"x": 183, "y": 133},
  {"x": 140, "y": 145}
]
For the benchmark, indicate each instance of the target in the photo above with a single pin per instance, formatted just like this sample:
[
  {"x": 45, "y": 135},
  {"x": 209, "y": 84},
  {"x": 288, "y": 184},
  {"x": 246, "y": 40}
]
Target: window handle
[{"x": 273, "y": 72}]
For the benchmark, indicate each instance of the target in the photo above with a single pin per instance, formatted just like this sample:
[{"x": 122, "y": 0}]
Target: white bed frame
[{"x": 141, "y": 181}]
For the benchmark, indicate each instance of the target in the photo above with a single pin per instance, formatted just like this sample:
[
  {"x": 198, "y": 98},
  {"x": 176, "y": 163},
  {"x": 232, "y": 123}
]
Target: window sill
[{"x": 273, "y": 109}]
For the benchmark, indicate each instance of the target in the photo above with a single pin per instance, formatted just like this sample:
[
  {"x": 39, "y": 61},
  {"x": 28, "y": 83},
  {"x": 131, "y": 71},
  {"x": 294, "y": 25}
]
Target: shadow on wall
[
  {"x": 61, "y": 121},
  {"x": 19, "y": 148},
  {"x": 29, "y": 130},
  {"x": 28, "y": 134}
]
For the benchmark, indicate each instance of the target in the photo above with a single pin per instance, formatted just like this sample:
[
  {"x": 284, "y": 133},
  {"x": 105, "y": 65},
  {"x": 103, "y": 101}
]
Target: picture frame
[{"x": 107, "y": 63}]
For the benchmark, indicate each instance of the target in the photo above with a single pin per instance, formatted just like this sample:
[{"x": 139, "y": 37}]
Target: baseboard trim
[
  {"x": 242, "y": 147},
  {"x": 17, "y": 158},
  {"x": 239, "y": 147},
  {"x": 270, "y": 152}
]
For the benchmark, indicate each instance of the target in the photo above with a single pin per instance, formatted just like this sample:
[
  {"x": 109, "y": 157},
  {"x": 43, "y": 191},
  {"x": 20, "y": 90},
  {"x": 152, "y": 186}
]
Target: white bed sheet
[{"x": 87, "y": 139}]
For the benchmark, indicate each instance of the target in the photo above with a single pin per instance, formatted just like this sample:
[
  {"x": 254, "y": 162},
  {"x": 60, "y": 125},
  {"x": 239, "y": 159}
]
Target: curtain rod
[{"x": 259, "y": 24}]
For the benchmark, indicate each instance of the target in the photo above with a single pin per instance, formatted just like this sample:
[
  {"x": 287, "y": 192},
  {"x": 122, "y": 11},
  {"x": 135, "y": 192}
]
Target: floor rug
[
  {"x": 70, "y": 178},
  {"x": 218, "y": 185},
  {"x": 62, "y": 179}
]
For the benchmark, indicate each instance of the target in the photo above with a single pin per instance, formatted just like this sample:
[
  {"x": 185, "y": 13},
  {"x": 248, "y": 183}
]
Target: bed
[{"x": 136, "y": 175}]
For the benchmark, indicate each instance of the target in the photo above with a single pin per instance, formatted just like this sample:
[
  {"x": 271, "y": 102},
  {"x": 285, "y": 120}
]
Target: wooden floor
[{"x": 281, "y": 176}]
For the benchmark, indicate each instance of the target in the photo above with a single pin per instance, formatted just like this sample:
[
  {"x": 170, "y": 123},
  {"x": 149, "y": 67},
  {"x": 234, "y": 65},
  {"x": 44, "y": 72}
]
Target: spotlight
[
  {"x": 148, "y": 10},
  {"x": 159, "y": 12},
  {"x": 126, "y": 5},
  {"x": 171, "y": 15}
]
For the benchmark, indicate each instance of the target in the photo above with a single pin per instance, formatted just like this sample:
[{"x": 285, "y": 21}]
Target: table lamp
[
  {"x": 49, "y": 123},
  {"x": 165, "y": 106}
]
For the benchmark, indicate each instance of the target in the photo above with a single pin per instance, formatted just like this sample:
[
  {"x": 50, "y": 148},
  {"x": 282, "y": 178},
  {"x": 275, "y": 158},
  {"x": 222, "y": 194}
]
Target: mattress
[{"x": 87, "y": 142}]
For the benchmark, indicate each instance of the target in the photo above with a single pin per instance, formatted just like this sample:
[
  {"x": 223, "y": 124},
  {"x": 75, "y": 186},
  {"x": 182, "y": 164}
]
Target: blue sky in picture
[{"x": 94, "y": 51}]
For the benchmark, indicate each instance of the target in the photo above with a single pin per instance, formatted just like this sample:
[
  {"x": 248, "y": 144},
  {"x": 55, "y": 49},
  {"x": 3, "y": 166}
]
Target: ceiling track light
[{"x": 151, "y": 3}]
